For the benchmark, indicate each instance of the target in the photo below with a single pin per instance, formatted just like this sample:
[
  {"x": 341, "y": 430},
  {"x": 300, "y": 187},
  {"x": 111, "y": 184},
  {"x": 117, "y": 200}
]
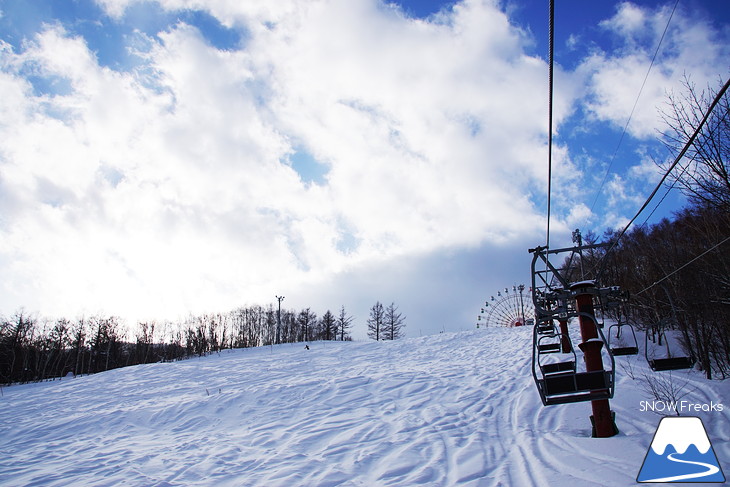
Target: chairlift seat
[
  {"x": 545, "y": 329},
  {"x": 625, "y": 351},
  {"x": 671, "y": 363},
  {"x": 548, "y": 347},
  {"x": 558, "y": 367},
  {"x": 562, "y": 388}
]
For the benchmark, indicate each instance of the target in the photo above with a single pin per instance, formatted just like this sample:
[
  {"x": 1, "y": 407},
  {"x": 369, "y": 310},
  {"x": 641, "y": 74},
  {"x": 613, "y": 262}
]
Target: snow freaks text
[{"x": 679, "y": 407}]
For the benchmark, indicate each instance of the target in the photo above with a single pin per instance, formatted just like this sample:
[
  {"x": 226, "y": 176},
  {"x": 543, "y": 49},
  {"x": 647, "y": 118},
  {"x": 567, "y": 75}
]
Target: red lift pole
[
  {"x": 565, "y": 342},
  {"x": 603, "y": 423}
]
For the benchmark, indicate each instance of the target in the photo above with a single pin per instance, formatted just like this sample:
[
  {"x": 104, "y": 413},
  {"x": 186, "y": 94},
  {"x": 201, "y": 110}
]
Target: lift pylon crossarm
[
  {"x": 576, "y": 248},
  {"x": 612, "y": 297}
]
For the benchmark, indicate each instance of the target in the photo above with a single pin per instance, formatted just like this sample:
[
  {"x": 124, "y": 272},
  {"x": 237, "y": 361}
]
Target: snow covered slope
[{"x": 449, "y": 409}]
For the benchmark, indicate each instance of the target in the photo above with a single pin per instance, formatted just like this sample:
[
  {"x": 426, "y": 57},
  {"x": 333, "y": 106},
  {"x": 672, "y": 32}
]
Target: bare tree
[
  {"x": 329, "y": 326},
  {"x": 705, "y": 177},
  {"x": 375, "y": 321},
  {"x": 393, "y": 323},
  {"x": 15, "y": 347},
  {"x": 306, "y": 319},
  {"x": 344, "y": 323},
  {"x": 145, "y": 340}
]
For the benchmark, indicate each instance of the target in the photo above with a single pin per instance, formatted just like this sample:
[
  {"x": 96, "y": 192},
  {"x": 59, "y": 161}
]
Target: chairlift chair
[
  {"x": 560, "y": 383},
  {"x": 625, "y": 350},
  {"x": 552, "y": 344},
  {"x": 669, "y": 362},
  {"x": 545, "y": 327}
]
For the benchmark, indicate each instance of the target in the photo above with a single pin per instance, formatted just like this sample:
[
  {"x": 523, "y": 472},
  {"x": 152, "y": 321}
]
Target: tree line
[
  {"x": 678, "y": 271},
  {"x": 677, "y": 281},
  {"x": 33, "y": 349}
]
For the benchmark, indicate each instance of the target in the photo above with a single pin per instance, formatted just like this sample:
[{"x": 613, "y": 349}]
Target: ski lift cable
[
  {"x": 551, "y": 30},
  {"x": 684, "y": 169},
  {"x": 685, "y": 265},
  {"x": 666, "y": 193},
  {"x": 679, "y": 157},
  {"x": 631, "y": 114}
]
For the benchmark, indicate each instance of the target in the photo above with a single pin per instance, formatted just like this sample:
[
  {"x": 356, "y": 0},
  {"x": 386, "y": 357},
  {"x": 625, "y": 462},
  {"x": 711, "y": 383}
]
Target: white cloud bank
[
  {"x": 690, "y": 46},
  {"x": 167, "y": 188}
]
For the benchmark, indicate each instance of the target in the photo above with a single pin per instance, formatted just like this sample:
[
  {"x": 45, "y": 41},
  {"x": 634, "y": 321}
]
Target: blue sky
[{"x": 162, "y": 158}]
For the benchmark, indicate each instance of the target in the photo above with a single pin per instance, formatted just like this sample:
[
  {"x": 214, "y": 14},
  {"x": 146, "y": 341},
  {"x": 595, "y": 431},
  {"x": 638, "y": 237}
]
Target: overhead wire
[
  {"x": 678, "y": 177},
  {"x": 631, "y": 114},
  {"x": 685, "y": 265},
  {"x": 666, "y": 193},
  {"x": 679, "y": 157}
]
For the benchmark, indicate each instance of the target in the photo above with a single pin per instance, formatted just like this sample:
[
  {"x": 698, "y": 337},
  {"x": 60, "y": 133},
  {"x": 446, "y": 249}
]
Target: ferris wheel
[{"x": 510, "y": 307}]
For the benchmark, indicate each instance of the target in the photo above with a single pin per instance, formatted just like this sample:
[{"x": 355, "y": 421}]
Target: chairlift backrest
[
  {"x": 669, "y": 362},
  {"x": 625, "y": 350}
]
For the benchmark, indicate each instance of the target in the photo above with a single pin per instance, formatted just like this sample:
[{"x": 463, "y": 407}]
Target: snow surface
[{"x": 449, "y": 409}]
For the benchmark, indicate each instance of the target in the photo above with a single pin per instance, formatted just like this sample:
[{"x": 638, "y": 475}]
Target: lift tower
[{"x": 560, "y": 379}]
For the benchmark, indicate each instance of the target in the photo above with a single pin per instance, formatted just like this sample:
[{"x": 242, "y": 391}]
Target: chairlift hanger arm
[
  {"x": 555, "y": 272},
  {"x": 544, "y": 250}
]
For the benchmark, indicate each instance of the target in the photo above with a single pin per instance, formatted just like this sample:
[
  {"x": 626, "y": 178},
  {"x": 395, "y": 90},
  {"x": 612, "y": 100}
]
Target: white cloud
[
  {"x": 122, "y": 197},
  {"x": 396, "y": 108},
  {"x": 615, "y": 79},
  {"x": 166, "y": 188},
  {"x": 163, "y": 190},
  {"x": 630, "y": 20},
  {"x": 578, "y": 216}
]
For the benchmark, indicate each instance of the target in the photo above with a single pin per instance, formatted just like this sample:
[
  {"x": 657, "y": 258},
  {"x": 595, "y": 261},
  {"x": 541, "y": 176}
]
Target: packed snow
[{"x": 448, "y": 409}]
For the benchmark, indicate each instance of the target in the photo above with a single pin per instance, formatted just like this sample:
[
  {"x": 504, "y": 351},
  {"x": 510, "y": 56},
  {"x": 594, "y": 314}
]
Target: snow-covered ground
[{"x": 449, "y": 409}]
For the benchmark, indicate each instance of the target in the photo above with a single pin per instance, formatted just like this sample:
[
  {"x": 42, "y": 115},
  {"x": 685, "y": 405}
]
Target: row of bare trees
[
  {"x": 679, "y": 277},
  {"x": 33, "y": 349},
  {"x": 678, "y": 271},
  {"x": 385, "y": 323}
]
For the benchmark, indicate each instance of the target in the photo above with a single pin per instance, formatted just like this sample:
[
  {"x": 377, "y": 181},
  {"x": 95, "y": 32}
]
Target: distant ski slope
[{"x": 450, "y": 409}]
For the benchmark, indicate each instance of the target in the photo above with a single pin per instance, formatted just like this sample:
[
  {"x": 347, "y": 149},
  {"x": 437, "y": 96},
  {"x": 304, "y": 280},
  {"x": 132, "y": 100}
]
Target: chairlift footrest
[{"x": 582, "y": 397}]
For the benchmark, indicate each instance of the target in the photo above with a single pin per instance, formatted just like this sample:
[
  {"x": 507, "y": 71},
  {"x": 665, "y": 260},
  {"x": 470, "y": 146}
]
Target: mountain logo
[{"x": 680, "y": 452}]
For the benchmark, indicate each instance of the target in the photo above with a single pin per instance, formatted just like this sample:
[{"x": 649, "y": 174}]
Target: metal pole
[
  {"x": 278, "y": 320},
  {"x": 578, "y": 240},
  {"x": 603, "y": 423},
  {"x": 521, "y": 288},
  {"x": 565, "y": 340}
]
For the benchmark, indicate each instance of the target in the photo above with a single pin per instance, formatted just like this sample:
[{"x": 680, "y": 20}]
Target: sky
[{"x": 165, "y": 158}]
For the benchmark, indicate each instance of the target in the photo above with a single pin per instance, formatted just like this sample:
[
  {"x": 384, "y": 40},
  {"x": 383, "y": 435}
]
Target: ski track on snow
[{"x": 450, "y": 409}]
